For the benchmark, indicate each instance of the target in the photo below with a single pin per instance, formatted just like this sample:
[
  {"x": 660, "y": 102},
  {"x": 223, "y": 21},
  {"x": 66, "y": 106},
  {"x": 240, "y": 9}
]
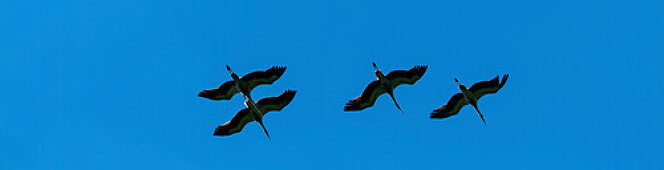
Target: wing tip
[
  {"x": 420, "y": 70},
  {"x": 209, "y": 94},
  {"x": 504, "y": 80},
  {"x": 290, "y": 92},
  {"x": 203, "y": 93},
  {"x": 352, "y": 106},
  {"x": 351, "y": 109},
  {"x": 288, "y": 95},
  {"x": 438, "y": 115},
  {"x": 221, "y": 130},
  {"x": 278, "y": 70}
]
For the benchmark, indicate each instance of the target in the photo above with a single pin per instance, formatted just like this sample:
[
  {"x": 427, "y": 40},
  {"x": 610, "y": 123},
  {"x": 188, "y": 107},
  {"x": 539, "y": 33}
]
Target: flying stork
[
  {"x": 245, "y": 116},
  {"x": 244, "y": 85},
  {"x": 385, "y": 84},
  {"x": 469, "y": 96}
]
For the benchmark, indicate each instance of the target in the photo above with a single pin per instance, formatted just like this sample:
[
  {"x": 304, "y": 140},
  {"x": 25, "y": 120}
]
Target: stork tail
[
  {"x": 395, "y": 102},
  {"x": 480, "y": 113},
  {"x": 260, "y": 121},
  {"x": 258, "y": 116}
]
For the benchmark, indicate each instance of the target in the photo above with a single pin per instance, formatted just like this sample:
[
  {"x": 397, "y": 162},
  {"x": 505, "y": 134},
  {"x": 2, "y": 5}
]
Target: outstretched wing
[
  {"x": 236, "y": 124},
  {"x": 263, "y": 77},
  {"x": 452, "y": 107},
  {"x": 367, "y": 99},
  {"x": 482, "y": 88},
  {"x": 399, "y": 77},
  {"x": 245, "y": 116},
  {"x": 224, "y": 92},
  {"x": 276, "y": 103}
]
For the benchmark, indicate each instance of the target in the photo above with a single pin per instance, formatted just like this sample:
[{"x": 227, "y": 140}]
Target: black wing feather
[
  {"x": 367, "y": 99},
  {"x": 452, "y": 107},
  {"x": 236, "y": 124},
  {"x": 482, "y": 88},
  {"x": 411, "y": 76},
  {"x": 263, "y": 77},
  {"x": 224, "y": 92},
  {"x": 276, "y": 103}
]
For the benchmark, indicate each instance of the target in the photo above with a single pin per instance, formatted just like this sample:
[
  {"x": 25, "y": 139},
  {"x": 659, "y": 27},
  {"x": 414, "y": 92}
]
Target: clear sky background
[{"x": 113, "y": 84}]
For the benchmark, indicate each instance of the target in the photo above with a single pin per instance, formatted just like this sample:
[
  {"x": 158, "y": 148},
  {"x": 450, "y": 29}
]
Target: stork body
[
  {"x": 385, "y": 84},
  {"x": 247, "y": 115},
  {"x": 469, "y": 96}
]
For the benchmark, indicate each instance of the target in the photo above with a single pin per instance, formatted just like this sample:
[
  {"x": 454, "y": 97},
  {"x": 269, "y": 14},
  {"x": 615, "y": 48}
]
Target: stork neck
[
  {"x": 387, "y": 85},
  {"x": 379, "y": 74},
  {"x": 241, "y": 86},
  {"x": 466, "y": 93},
  {"x": 252, "y": 106}
]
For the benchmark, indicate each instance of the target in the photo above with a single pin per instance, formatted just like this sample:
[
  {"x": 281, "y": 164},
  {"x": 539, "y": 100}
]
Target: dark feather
[
  {"x": 272, "y": 73},
  {"x": 221, "y": 93},
  {"x": 236, "y": 124},
  {"x": 485, "y": 84},
  {"x": 283, "y": 99},
  {"x": 367, "y": 98},
  {"x": 452, "y": 107},
  {"x": 411, "y": 76},
  {"x": 482, "y": 88}
]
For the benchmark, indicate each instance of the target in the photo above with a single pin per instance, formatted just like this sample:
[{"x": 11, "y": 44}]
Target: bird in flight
[
  {"x": 246, "y": 115},
  {"x": 244, "y": 85},
  {"x": 469, "y": 96},
  {"x": 385, "y": 84}
]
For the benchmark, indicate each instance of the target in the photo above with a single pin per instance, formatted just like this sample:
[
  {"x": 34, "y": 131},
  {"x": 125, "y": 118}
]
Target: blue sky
[{"x": 113, "y": 84}]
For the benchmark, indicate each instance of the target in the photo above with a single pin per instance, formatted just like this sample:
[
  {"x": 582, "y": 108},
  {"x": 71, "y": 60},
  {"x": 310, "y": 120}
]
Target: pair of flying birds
[
  {"x": 255, "y": 110},
  {"x": 384, "y": 84}
]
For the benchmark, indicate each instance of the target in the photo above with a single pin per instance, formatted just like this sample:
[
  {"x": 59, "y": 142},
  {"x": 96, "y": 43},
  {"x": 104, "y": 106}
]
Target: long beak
[
  {"x": 228, "y": 68},
  {"x": 457, "y": 82},
  {"x": 480, "y": 113},
  {"x": 374, "y": 65},
  {"x": 395, "y": 101}
]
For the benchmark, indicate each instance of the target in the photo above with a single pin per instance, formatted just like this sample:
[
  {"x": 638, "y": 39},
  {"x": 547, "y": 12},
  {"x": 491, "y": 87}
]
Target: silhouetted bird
[
  {"x": 244, "y": 116},
  {"x": 469, "y": 96},
  {"x": 246, "y": 83},
  {"x": 385, "y": 84}
]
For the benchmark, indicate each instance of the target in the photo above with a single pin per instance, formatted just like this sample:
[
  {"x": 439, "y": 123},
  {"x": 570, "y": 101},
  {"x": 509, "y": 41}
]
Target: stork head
[
  {"x": 233, "y": 75},
  {"x": 460, "y": 85},
  {"x": 223, "y": 130},
  {"x": 378, "y": 73}
]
